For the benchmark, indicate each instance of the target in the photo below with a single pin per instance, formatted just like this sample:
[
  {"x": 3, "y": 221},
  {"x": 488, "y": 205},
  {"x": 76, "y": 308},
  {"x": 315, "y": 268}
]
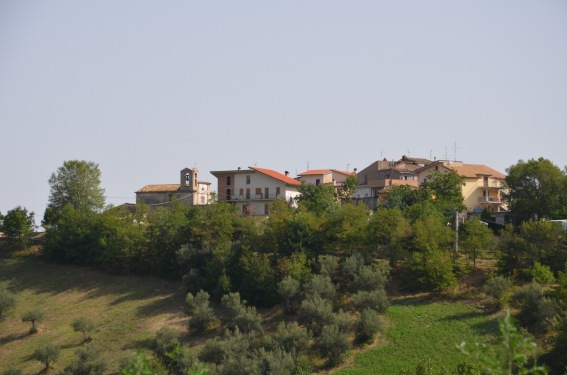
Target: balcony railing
[{"x": 490, "y": 200}]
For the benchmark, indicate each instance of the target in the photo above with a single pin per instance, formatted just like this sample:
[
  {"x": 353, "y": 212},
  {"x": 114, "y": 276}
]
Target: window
[
  {"x": 318, "y": 182},
  {"x": 267, "y": 193},
  {"x": 227, "y": 194},
  {"x": 248, "y": 193},
  {"x": 247, "y": 180},
  {"x": 228, "y": 180},
  {"x": 246, "y": 209},
  {"x": 277, "y": 192},
  {"x": 266, "y": 209},
  {"x": 241, "y": 192},
  {"x": 259, "y": 191}
]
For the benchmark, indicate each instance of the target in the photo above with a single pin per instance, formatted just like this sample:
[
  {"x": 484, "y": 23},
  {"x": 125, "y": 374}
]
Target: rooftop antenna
[
  {"x": 455, "y": 151},
  {"x": 307, "y": 165},
  {"x": 446, "y": 156},
  {"x": 380, "y": 154},
  {"x": 408, "y": 152},
  {"x": 347, "y": 165},
  {"x": 430, "y": 154}
]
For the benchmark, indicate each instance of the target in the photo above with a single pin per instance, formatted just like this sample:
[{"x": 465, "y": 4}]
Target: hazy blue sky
[{"x": 146, "y": 88}]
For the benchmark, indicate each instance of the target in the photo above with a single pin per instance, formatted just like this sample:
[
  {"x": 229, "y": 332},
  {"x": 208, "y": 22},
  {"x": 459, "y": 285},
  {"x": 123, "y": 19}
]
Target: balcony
[{"x": 490, "y": 200}]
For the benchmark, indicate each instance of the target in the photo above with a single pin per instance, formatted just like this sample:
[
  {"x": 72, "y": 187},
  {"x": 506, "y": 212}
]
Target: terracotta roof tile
[
  {"x": 163, "y": 188},
  {"x": 474, "y": 170},
  {"x": 312, "y": 172},
  {"x": 277, "y": 175}
]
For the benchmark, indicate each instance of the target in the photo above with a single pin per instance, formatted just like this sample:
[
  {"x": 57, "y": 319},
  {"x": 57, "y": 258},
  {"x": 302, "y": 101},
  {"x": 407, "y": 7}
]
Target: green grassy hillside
[{"x": 127, "y": 311}]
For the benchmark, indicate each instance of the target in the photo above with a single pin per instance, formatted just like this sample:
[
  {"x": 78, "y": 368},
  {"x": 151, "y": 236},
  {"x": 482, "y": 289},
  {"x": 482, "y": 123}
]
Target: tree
[
  {"x": 317, "y": 198},
  {"x": 346, "y": 191},
  {"x": 289, "y": 289},
  {"x": 334, "y": 344},
  {"x": 202, "y": 315},
  {"x": 85, "y": 325},
  {"x": 75, "y": 183},
  {"x": 367, "y": 325},
  {"x": 34, "y": 315},
  {"x": 18, "y": 225},
  {"x": 536, "y": 190},
  {"x": 509, "y": 354},
  {"x": 446, "y": 190},
  {"x": 47, "y": 354},
  {"x": 88, "y": 361},
  {"x": 7, "y": 303},
  {"x": 478, "y": 238}
]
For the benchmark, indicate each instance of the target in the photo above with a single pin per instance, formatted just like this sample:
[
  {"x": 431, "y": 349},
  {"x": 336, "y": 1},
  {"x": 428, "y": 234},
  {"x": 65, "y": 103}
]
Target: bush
[
  {"x": 369, "y": 278},
  {"x": 333, "y": 344},
  {"x": 291, "y": 338},
  {"x": 7, "y": 303},
  {"x": 185, "y": 362},
  {"x": 238, "y": 315},
  {"x": 320, "y": 285},
  {"x": 202, "y": 314},
  {"x": 367, "y": 325},
  {"x": 527, "y": 299},
  {"x": 315, "y": 312},
  {"x": 540, "y": 273},
  {"x": 12, "y": 370},
  {"x": 88, "y": 361},
  {"x": 219, "y": 348},
  {"x": 167, "y": 344},
  {"x": 547, "y": 314},
  {"x": 352, "y": 265},
  {"x": 327, "y": 265},
  {"x": 376, "y": 300},
  {"x": 289, "y": 290},
  {"x": 497, "y": 287},
  {"x": 276, "y": 362}
]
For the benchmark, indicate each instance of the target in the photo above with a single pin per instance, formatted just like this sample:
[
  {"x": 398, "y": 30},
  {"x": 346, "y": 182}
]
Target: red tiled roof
[
  {"x": 474, "y": 170},
  {"x": 163, "y": 188},
  {"x": 277, "y": 175},
  {"x": 312, "y": 172}
]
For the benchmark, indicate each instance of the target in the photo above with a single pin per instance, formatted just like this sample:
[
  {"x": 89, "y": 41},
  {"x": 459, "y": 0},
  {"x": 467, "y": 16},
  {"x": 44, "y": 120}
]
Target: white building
[{"x": 254, "y": 190}]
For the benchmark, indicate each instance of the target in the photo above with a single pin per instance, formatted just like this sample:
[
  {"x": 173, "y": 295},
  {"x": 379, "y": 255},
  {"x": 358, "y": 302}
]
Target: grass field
[
  {"x": 417, "y": 331},
  {"x": 127, "y": 311}
]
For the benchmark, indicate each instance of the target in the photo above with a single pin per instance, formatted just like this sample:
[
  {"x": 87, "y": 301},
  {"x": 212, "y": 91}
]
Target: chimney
[
  {"x": 238, "y": 168},
  {"x": 355, "y": 169},
  {"x": 286, "y": 173}
]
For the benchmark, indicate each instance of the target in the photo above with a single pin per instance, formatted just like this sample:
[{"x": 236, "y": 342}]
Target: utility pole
[{"x": 456, "y": 232}]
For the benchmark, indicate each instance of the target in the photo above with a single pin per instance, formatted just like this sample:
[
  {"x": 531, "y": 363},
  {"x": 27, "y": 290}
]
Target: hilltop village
[{"x": 253, "y": 190}]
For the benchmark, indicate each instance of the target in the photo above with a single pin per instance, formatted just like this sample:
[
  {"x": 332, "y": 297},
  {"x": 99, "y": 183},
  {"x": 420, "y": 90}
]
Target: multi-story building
[
  {"x": 254, "y": 190},
  {"x": 189, "y": 191}
]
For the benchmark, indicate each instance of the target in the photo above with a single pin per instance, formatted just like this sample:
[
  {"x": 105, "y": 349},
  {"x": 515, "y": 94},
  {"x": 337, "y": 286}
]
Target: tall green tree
[
  {"x": 536, "y": 190},
  {"x": 477, "y": 239},
  {"x": 75, "y": 183},
  {"x": 318, "y": 198},
  {"x": 18, "y": 225},
  {"x": 446, "y": 190}
]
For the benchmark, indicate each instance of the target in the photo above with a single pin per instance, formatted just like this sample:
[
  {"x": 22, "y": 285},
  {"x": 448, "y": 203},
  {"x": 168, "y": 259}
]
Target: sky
[{"x": 147, "y": 88}]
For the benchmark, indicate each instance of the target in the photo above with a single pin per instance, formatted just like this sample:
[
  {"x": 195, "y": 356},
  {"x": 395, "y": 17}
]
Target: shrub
[
  {"x": 7, "y": 303},
  {"x": 376, "y": 300},
  {"x": 333, "y": 344},
  {"x": 368, "y": 278},
  {"x": 320, "y": 285},
  {"x": 289, "y": 289},
  {"x": 527, "y": 298},
  {"x": 352, "y": 264},
  {"x": 367, "y": 325},
  {"x": 202, "y": 314},
  {"x": 232, "y": 343},
  {"x": 540, "y": 273},
  {"x": 88, "y": 361},
  {"x": 167, "y": 344},
  {"x": 185, "y": 362},
  {"x": 498, "y": 287},
  {"x": 12, "y": 370},
  {"x": 327, "y": 265},
  {"x": 238, "y": 315},
  {"x": 315, "y": 312},
  {"x": 547, "y": 314},
  {"x": 291, "y": 337},
  {"x": 343, "y": 321},
  {"x": 276, "y": 362}
]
